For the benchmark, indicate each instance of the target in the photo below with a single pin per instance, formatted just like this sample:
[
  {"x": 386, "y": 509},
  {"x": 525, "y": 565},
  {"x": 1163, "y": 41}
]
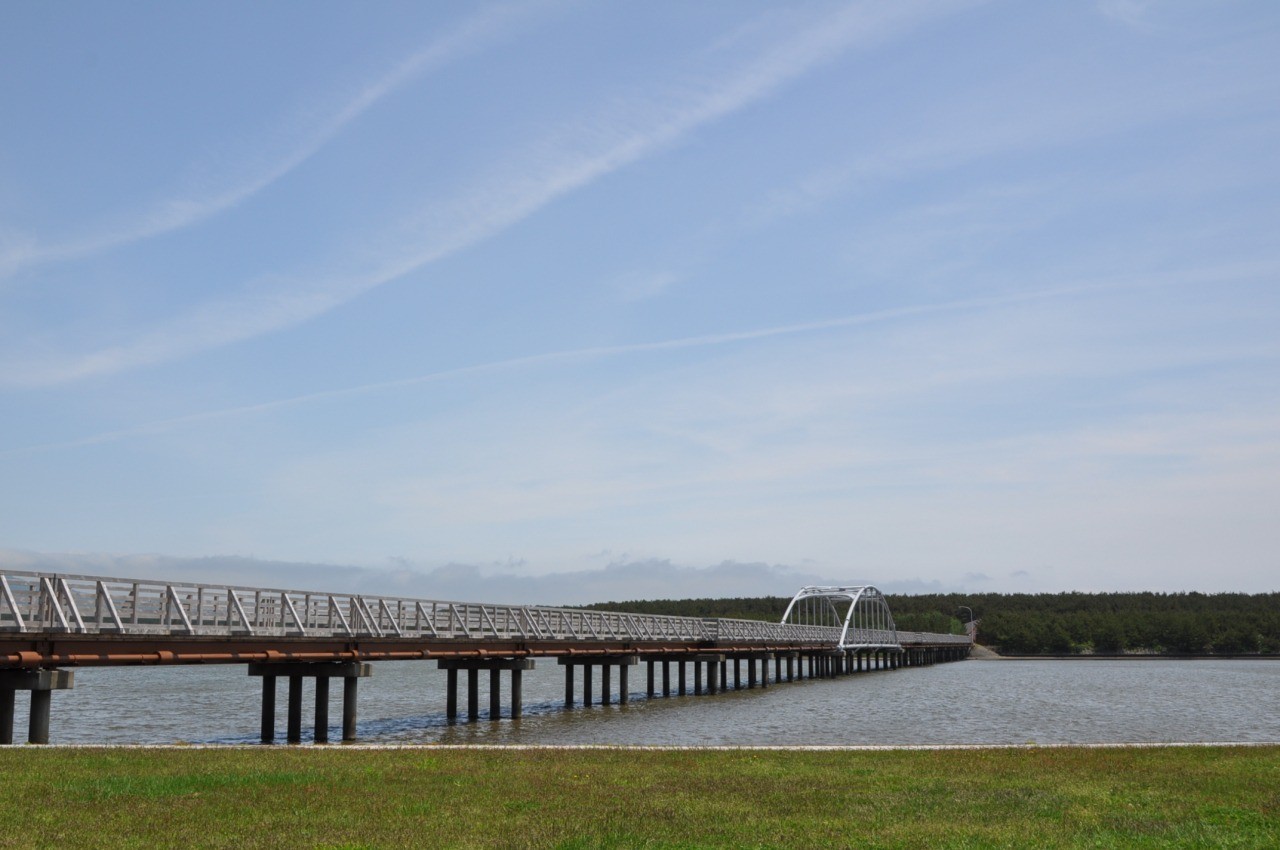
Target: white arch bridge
[{"x": 51, "y": 623}]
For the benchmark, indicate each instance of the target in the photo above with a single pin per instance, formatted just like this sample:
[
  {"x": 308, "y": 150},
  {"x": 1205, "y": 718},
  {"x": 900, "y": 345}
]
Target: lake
[{"x": 971, "y": 702}]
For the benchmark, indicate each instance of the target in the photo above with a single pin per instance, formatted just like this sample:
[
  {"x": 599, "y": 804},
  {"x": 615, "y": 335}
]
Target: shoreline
[
  {"x": 657, "y": 748},
  {"x": 994, "y": 656}
]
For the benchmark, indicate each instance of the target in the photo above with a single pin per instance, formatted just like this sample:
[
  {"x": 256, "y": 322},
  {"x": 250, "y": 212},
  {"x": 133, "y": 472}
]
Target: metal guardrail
[
  {"x": 933, "y": 639},
  {"x": 35, "y": 602},
  {"x": 53, "y": 602}
]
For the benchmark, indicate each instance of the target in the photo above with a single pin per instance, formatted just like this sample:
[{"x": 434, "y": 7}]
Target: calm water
[{"x": 971, "y": 702}]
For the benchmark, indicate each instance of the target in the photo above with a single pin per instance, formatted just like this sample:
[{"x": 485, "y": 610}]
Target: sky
[{"x": 560, "y": 302}]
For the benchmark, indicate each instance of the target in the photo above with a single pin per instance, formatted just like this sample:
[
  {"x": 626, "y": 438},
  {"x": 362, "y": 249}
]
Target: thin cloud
[
  {"x": 442, "y": 232},
  {"x": 178, "y": 213},
  {"x": 1216, "y": 275}
]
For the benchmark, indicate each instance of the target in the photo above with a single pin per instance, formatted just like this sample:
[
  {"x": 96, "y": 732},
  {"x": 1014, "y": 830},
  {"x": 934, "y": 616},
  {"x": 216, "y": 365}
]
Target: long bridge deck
[{"x": 50, "y": 621}]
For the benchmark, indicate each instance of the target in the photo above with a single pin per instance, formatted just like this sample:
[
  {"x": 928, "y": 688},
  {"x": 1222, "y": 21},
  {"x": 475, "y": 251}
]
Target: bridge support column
[
  {"x": 666, "y": 678},
  {"x": 623, "y": 662},
  {"x": 473, "y": 694},
  {"x": 681, "y": 665},
  {"x": 791, "y": 666},
  {"x": 495, "y": 666},
  {"x": 751, "y": 658},
  {"x": 350, "y": 691},
  {"x": 268, "y": 709},
  {"x": 651, "y": 688},
  {"x": 297, "y": 671},
  {"x": 41, "y": 684},
  {"x": 737, "y": 673},
  {"x": 293, "y": 726},
  {"x": 321, "y": 729},
  {"x": 711, "y": 662}
]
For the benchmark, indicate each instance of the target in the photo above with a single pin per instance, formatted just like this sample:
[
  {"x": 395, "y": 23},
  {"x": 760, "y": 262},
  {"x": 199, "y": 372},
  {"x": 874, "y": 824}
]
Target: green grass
[{"x": 349, "y": 798}]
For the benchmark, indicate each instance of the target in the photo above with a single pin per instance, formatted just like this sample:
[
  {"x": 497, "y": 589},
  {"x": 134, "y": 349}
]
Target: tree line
[{"x": 1051, "y": 623}]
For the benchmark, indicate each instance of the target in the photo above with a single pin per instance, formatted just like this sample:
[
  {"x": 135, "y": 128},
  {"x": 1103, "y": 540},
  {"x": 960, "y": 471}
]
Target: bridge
[{"x": 50, "y": 622}]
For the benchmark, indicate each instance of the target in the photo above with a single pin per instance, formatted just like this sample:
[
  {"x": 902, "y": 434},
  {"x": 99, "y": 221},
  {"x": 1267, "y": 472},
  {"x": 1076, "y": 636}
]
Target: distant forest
[{"x": 1052, "y": 623}]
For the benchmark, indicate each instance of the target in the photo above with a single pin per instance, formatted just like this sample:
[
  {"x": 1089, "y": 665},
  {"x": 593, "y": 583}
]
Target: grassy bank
[{"x": 331, "y": 797}]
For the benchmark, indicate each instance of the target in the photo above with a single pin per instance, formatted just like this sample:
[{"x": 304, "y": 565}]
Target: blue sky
[{"x": 562, "y": 301}]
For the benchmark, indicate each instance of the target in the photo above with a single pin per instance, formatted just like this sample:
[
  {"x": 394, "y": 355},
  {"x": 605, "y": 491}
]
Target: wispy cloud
[
  {"x": 1216, "y": 275},
  {"x": 306, "y": 134},
  {"x": 604, "y": 147}
]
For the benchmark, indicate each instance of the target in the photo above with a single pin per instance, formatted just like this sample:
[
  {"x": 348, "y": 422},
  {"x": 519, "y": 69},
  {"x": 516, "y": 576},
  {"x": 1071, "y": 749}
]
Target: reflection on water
[{"x": 971, "y": 702}]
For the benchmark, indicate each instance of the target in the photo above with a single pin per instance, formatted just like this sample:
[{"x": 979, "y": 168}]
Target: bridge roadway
[{"x": 51, "y": 621}]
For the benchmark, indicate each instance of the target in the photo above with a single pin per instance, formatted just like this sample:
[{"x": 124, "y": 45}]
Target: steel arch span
[{"x": 867, "y": 622}]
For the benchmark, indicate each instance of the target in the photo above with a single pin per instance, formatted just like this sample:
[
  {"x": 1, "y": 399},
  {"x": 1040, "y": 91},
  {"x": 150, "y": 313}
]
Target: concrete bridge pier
[
  {"x": 473, "y": 666},
  {"x": 351, "y": 672},
  {"x": 606, "y": 663},
  {"x": 751, "y": 658},
  {"x": 41, "y": 684},
  {"x": 712, "y": 662}
]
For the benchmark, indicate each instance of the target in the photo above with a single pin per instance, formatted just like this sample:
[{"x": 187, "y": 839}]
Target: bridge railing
[
  {"x": 932, "y": 638},
  {"x": 35, "y": 602}
]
